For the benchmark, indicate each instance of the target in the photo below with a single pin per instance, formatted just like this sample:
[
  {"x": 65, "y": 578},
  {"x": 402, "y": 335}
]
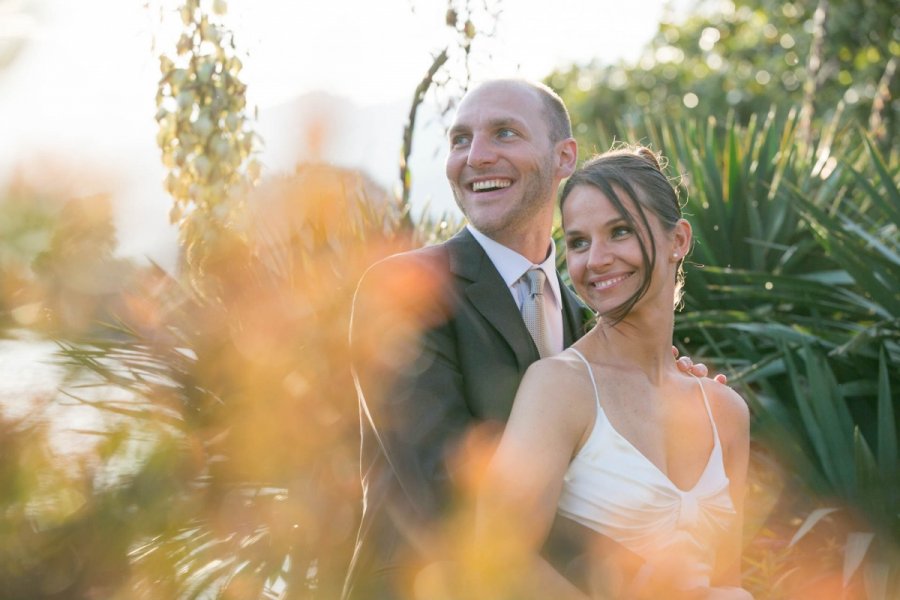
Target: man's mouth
[
  {"x": 489, "y": 185},
  {"x": 599, "y": 285}
]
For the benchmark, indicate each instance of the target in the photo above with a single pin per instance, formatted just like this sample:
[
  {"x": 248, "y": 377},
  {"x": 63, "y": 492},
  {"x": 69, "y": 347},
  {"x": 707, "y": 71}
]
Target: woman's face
[{"x": 603, "y": 250}]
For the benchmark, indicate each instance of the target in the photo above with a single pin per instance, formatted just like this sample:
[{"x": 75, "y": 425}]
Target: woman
[{"x": 610, "y": 433}]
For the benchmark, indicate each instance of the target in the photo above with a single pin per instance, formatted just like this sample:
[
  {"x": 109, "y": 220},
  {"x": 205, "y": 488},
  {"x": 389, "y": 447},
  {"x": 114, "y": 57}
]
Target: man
[{"x": 510, "y": 146}]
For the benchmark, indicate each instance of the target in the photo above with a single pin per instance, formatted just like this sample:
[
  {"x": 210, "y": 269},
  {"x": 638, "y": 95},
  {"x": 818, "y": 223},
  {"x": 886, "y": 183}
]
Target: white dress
[{"x": 615, "y": 490}]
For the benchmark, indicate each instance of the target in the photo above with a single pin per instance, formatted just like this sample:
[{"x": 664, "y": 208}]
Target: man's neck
[
  {"x": 534, "y": 248},
  {"x": 535, "y": 253},
  {"x": 533, "y": 243}
]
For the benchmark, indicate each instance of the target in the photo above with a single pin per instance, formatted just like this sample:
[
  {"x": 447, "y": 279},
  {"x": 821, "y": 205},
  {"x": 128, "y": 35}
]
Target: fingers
[
  {"x": 699, "y": 370},
  {"x": 684, "y": 364}
]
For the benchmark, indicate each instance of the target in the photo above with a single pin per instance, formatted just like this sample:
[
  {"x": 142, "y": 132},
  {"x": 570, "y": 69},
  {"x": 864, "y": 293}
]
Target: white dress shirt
[{"x": 512, "y": 267}]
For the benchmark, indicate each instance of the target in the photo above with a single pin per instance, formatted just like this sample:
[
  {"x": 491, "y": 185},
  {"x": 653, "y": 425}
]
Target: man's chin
[{"x": 488, "y": 224}]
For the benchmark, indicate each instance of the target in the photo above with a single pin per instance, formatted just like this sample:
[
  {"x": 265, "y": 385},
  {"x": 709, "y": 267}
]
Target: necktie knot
[{"x": 536, "y": 279}]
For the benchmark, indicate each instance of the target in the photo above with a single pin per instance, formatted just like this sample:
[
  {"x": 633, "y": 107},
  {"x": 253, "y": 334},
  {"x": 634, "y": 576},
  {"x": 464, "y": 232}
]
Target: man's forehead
[{"x": 498, "y": 101}]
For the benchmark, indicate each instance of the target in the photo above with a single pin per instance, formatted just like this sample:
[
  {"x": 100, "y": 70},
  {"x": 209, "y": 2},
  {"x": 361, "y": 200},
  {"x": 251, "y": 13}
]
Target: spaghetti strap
[
  {"x": 594, "y": 381},
  {"x": 712, "y": 421}
]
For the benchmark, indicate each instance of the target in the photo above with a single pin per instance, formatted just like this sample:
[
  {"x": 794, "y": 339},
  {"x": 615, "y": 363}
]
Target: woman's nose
[{"x": 600, "y": 255}]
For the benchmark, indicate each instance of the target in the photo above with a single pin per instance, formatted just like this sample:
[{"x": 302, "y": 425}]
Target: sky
[{"x": 80, "y": 95}]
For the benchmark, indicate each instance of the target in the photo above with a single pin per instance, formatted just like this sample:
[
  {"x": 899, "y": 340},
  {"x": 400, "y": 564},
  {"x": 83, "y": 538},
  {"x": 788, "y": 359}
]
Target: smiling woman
[
  {"x": 626, "y": 186},
  {"x": 651, "y": 460}
]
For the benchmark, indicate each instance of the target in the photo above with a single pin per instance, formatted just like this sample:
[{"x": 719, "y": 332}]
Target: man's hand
[{"x": 686, "y": 365}]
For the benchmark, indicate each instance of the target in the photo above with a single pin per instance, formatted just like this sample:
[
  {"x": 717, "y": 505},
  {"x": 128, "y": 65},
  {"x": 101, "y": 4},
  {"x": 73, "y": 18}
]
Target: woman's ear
[{"x": 681, "y": 240}]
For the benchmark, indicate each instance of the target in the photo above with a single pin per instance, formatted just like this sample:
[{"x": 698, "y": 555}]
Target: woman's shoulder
[
  {"x": 730, "y": 409},
  {"x": 558, "y": 369},
  {"x": 725, "y": 397},
  {"x": 562, "y": 376},
  {"x": 557, "y": 394}
]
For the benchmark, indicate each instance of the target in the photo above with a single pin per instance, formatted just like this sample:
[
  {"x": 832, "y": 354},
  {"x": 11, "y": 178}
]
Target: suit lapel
[
  {"x": 574, "y": 316},
  {"x": 490, "y": 296}
]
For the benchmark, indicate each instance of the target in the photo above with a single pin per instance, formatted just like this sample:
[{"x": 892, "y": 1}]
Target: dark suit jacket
[{"x": 471, "y": 360}]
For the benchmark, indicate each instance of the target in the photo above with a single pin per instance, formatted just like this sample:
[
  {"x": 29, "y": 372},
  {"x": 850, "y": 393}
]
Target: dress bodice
[{"x": 612, "y": 488}]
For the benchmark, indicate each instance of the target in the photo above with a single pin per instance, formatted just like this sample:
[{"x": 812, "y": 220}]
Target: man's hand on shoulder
[{"x": 686, "y": 365}]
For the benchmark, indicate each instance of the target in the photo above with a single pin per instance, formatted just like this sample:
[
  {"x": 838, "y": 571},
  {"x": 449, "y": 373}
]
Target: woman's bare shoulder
[
  {"x": 730, "y": 409},
  {"x": 726, "y": 397},
  {"x": 558, "y": 368},
  {"x": 562, "y": 378}
]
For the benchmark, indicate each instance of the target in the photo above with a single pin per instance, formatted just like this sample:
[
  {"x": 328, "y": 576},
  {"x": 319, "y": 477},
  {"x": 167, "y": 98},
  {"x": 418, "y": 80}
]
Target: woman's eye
[
  {"x": 621, "y": 231},
  {"x": 576, "y": 244}
]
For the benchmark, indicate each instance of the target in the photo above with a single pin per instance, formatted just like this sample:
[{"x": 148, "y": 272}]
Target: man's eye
[
  {"x": 459, "y": 140},
  {"x": 506, "y": 133}
]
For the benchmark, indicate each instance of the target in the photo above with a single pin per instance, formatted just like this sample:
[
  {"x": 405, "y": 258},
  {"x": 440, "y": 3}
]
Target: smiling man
[{"x": 510, "y": 146}]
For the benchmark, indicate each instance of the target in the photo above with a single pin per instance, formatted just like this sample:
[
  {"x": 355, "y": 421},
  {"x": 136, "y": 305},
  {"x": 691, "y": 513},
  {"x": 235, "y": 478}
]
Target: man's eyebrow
[
  {"x": 505, "y": 122},
  {"x": 496, "y": 123},
  {"x": 457, "y": 129}
]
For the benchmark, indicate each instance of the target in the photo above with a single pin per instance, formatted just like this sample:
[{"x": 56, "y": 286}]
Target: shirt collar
[{"x": 512, "y": 266}]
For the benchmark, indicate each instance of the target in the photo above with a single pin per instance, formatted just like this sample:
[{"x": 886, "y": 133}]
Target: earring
[{"x": 674, "y": 255}]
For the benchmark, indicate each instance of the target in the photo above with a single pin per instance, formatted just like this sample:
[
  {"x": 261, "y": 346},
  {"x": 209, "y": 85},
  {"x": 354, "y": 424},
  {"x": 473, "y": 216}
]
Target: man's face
[{"x": 502, "y": 165}]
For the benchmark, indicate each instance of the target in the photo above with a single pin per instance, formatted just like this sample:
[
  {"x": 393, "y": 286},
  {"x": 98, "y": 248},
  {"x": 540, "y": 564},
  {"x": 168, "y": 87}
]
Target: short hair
[
  {"x": 555, "y": 109},
  {"x": 636, "y": 171}
]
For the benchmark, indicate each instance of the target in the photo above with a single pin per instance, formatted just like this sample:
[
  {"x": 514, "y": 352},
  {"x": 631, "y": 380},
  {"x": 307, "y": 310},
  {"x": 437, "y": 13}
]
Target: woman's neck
[{"x": 642, "y": 341}]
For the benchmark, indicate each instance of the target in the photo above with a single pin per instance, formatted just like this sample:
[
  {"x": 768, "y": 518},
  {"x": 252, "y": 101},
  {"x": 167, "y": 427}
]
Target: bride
[{"x": 609, "y": 433}]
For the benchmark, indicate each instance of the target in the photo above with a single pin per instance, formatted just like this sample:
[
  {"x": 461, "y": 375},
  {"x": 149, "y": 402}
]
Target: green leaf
[
  {"x": 867, "y": 475},
  {"x": 810, "y": 522},
  {"x": 887, "y": 429},
  {"x": 891, "y": 203}
]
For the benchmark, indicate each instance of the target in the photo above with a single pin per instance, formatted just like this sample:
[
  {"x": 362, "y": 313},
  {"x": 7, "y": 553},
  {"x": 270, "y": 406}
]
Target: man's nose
[{"x": 481, "y": 152}]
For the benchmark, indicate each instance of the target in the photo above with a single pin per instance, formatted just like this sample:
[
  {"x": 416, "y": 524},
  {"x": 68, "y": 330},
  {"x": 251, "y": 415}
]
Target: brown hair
[{"x": 555, "y": 109}]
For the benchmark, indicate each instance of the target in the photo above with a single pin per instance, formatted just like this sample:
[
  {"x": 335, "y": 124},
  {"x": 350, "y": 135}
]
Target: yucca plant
[{"x": 828, "y": 300}]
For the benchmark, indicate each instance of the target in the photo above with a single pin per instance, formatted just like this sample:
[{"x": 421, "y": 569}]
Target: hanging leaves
[{"x": 205, "y": 134}]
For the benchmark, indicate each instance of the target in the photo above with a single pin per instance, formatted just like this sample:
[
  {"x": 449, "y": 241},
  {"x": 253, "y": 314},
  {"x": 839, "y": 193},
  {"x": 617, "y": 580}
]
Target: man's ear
[{"x": 567, "y": 154}]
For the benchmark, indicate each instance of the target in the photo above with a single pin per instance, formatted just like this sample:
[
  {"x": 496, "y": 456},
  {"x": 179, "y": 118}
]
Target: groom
[{"x": 510, "y": 146}]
